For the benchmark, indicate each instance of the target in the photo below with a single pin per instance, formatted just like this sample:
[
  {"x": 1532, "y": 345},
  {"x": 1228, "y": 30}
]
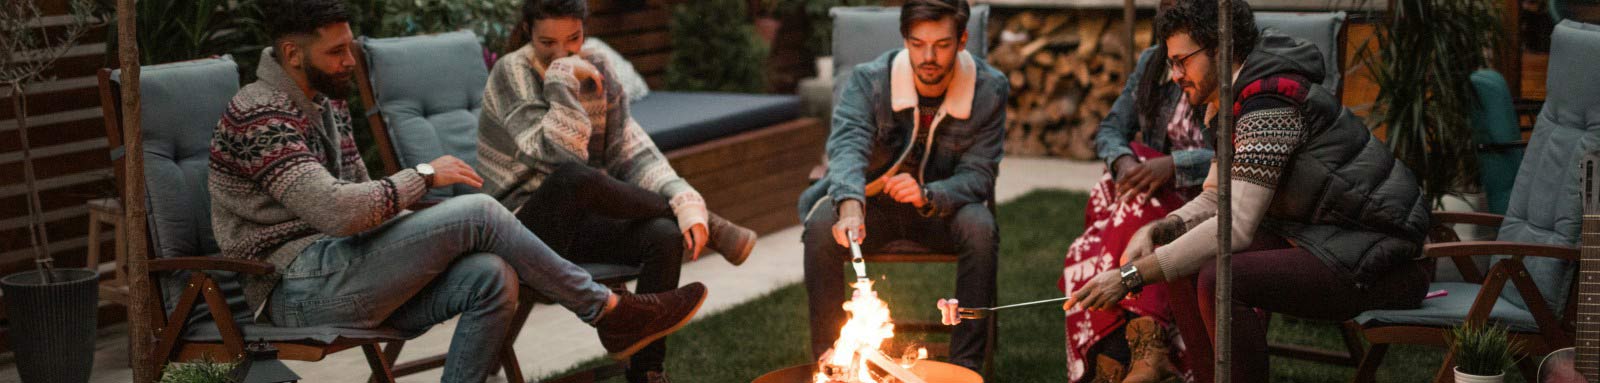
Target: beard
[
  {"x": 333, "y": 85},
  {"x": 1200, "y": 92},
  {"x": 932, "y": 79}
]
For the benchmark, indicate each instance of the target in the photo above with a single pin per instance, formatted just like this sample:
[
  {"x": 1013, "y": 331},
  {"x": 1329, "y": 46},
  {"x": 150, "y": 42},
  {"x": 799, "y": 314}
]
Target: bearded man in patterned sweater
[{"x": 288, "y": 187}]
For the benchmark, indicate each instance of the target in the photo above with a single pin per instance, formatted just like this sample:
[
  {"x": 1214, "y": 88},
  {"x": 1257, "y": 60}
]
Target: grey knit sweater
[{"x": 285, "y": 172}]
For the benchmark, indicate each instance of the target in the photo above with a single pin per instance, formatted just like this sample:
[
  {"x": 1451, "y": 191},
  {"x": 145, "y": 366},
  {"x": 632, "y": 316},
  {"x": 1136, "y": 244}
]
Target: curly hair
[
  {"x": 303, "y": 17},
  {"x": 1198, "y": 19}
]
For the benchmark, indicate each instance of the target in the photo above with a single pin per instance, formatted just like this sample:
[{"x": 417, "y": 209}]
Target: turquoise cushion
[
  {"x": 861, "y": 34},
  {"x": 1451, "y": 310},
  {"x": 429, "y": 89},
  {"x": 1545, "y": 204},
  {"x": 1495, "y": 122},
  {"x": 180, "y": 105},
  {"x": 1320, "y": 29}
]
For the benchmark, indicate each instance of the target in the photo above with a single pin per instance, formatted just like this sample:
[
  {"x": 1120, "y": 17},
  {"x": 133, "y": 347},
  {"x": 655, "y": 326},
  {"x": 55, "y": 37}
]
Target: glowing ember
[{"x": 859, "y": 342}]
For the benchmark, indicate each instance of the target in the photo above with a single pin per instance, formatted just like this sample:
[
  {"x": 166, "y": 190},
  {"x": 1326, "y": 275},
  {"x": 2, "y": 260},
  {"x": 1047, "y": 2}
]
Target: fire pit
[{"x": 930, "y": 371}]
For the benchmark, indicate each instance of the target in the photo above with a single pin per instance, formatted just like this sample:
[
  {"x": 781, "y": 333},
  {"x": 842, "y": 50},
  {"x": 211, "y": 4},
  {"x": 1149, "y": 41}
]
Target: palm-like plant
[
  {"x": 1427, "y": 51},
  {"x": 1483, "y": 350}
]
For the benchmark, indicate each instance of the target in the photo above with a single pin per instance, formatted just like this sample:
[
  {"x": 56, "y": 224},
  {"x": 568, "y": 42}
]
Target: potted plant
[
  {"x": 1483, "y": 353},
  {"x": 716, "y": 49},
  {"x": 53, "y": 309},
  {"x": 1426, "y": 53},
  {"x": 204, "y": 371}
]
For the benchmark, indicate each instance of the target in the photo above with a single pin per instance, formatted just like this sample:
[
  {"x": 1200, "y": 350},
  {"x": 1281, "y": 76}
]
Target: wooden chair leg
[
  {"x": 94, "y": 241},
  {"x": 120, "y": 248},
  {"x": 376, "y": 360},
  {"x": 1529, "y": 367},
  {"x": 508, "y": 352},
  {"x": 1367, "y": 372},
  {"x": 391, "y": 353},
  {"x": 1445, "y": 375},
  {"x": 1351, "y": 332}
]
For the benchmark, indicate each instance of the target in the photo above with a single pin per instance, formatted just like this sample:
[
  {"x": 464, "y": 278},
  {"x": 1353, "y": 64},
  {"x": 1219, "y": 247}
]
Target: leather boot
[
  {"x": 1108, "y": 370},
  {"x": 1148, "y": 344},
  {"x": 734, "y": 242}
]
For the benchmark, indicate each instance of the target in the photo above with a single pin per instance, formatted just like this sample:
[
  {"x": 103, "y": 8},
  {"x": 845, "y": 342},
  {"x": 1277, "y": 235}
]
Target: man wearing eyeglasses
[{"x": 1326, "y": 222}]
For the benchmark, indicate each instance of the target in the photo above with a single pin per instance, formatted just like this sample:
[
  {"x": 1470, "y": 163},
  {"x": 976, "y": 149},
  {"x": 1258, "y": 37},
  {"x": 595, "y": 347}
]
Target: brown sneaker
[
  {"x": 639, "y": 319},
  {"x": 734, "y": 242}
]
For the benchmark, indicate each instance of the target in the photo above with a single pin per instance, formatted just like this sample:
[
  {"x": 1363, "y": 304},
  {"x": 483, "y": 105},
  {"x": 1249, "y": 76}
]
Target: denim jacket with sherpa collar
[{"x": 875, "y": 120}]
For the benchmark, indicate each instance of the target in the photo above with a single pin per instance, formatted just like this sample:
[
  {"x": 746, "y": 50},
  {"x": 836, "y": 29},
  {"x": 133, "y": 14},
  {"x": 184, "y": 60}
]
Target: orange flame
[{"x": 869, "y": 326}]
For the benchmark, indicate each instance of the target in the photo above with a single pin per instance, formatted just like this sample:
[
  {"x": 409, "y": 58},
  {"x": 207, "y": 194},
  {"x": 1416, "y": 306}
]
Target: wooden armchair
[
  {"x": 1478, "y": 300},
  {"x": 1537, "y": 246},
  {"x": 201, "y": 294}
]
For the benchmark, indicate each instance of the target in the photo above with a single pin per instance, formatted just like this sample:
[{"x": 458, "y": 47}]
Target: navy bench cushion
[{"x": 676, "y": 120}]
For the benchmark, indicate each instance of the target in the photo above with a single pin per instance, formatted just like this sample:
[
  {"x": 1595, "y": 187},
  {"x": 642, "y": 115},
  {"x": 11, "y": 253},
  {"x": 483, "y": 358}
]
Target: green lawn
[{"x": 770, "y": 332}]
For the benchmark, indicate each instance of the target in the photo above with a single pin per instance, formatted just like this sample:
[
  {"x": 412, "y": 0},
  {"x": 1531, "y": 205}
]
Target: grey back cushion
[
  {"x": 180, "y": 105},
  {"x": 1320, "y": 29},
  {"x": 429, "y": 90},
  {"x": 861, "y": 34},
  {"x": 1546, "y": 202}
]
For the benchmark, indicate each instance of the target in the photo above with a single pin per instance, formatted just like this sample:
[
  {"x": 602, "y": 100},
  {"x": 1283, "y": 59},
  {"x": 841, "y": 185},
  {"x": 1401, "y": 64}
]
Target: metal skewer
[
  {"x": 856, "y": 261},
  {"x": 982, "y": 312}
]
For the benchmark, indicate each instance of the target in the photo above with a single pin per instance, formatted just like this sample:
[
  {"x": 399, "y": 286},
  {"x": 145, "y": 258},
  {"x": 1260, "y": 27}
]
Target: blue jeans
[{"x": 464, "y": 256}]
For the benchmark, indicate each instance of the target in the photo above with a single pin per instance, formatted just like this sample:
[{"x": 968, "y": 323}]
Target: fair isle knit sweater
[
  {"x": 285, "y": 172},
  {"x": 533, "y": 122}
]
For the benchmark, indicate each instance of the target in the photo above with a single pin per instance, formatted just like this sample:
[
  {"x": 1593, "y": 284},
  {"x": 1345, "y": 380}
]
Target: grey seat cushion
[
  {"x": 429, "y": 89},
  {"x": 679, "y": 119},
  {"x": 861, "y": 34},
  {"x": 1546, "y": 205},
  {"x": 1450, "y": 310},
  {"x": 206, "y": 331},
  {"x": 1320, "y": 29}
]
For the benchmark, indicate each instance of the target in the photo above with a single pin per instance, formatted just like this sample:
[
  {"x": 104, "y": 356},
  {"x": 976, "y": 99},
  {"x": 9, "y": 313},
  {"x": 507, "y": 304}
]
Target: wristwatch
[
  {"x": 426, "y": 171},
  {"x": 1131, "y": 280}
]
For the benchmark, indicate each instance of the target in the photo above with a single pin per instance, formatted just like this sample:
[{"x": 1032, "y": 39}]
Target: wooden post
[
  {"x": 1224, "y": 343},
  {"x": 141, "y": 333},
  {"x": 1132, "y": 52}
]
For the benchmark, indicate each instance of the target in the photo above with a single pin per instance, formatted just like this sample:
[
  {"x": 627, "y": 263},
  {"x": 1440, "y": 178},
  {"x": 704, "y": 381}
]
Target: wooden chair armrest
[
  {"x": 243, "y": 266},
  {"x": 1475, "y": 248},
  {"x": 1467, "y": 217}
]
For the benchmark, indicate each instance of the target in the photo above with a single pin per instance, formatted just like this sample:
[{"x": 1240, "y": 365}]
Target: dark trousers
[
  {"x": 589, "y": 217},
  {"x": 1274, "y": 276},
  {"x": 970, "y": 232}
]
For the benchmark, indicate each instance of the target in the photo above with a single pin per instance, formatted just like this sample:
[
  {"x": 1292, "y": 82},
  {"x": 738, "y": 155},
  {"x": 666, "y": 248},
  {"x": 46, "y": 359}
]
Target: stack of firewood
[{"x": 1066, "y": 69}]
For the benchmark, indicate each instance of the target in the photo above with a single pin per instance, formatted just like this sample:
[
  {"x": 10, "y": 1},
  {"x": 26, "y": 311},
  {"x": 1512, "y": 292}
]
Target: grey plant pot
[{"x": 52, "y": 325}]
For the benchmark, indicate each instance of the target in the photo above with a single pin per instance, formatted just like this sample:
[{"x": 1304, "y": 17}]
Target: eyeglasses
[{"x": 1177, "y": 65}]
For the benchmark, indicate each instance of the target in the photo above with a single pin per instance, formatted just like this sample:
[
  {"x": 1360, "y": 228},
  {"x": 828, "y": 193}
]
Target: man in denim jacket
[{"x": 916, "y": 141}]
